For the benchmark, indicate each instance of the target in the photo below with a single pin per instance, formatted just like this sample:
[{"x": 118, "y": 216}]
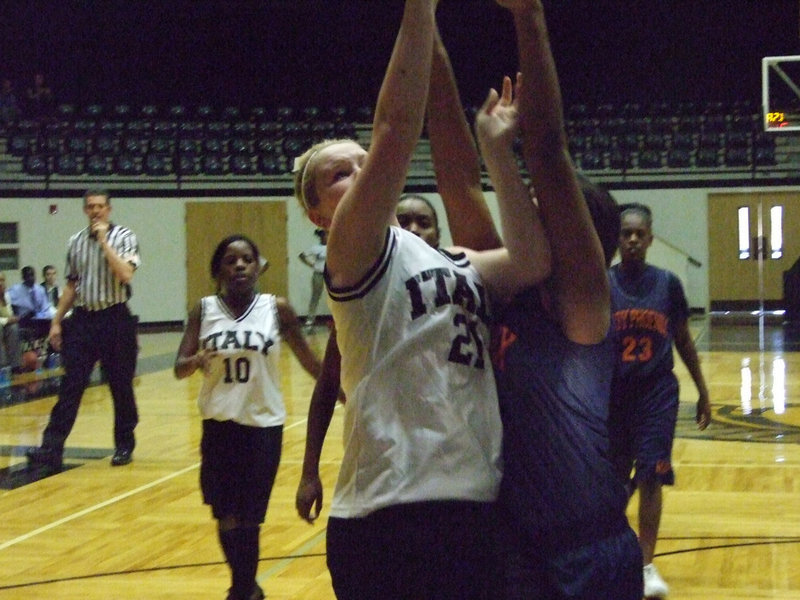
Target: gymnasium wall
[{"x": 680, "y": 221}]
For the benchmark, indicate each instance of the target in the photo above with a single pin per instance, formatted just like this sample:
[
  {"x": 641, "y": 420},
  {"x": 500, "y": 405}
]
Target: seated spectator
[
  {"x": 50, "y": 288},
  {"x": 10, "y": 348},
  {"x": 29, "y": 300}
]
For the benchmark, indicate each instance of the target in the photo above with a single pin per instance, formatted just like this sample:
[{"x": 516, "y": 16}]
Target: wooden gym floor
[{"x": 730, "y": 527}]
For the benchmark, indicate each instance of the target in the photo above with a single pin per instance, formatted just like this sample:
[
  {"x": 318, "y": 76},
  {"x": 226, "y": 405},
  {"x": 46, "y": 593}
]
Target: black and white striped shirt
[{"x": 95, "y": 284}]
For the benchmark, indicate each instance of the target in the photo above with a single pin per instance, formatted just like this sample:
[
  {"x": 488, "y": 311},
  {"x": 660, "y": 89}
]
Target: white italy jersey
[
  {"x": 244, "y": 382},
  {"x": 421, "y": 420}
]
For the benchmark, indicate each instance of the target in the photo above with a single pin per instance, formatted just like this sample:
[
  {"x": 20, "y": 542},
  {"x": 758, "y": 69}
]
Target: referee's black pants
[{"x": 109, "y": 336}]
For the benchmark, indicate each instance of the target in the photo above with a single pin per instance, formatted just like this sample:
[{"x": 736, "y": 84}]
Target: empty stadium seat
[
  {"x": 620, "y": 159},
  {"x": 205, "y": 112},
  {"x": 737, "y": 157},
  {"x": 161, "y": 145},
  {"x": 105, "y": 144},
  {"x": 240, "y": 145},
  {"x": 591, "y": 160},
  {"x": 158, "y": 164},
  {"x": 148, "y": 112},
  {"x": 68, "y": 164},
  {"x": 679, "y": 158},
  {"x": 99, "y": 164},
  {"x": 271, "y": 165},
  {"x": 707, "y": 157},
  {"x": 187, "y": 164},
  {"x": 218, "y": 129},
  {"x": 765, "y": 156},
  {"x": 93, "y": 111},
  {"x": 128, "y": 164},
  {"x": 655, "y": 141},
  {"x": 52, "y": 145},
  {"x": 122, "y": 112},
  {"x": 134, "y": 145},
  {"x": 21, "y": 144},
  {"x": 683, "y": 141},
  {"x": 650, "y": 159},
  {"x": 213, "y": 164},
  {"x": 66, "y": 111},
  {"x": 189, "y": 145},
  {"x": 36, "y": 164},
  {"x": 737, "y": 139},
  {"x": 242, "y": 164},
  {"x": 231, "y": 113}
]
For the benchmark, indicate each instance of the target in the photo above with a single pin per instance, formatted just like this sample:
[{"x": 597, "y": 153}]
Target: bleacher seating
[{"x": 615, "y": 140}]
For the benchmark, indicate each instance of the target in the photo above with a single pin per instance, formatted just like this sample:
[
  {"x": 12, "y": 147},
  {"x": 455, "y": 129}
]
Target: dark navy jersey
[
  {"x": 558, "y": 484},
  {"x": 644, "y": 313}
]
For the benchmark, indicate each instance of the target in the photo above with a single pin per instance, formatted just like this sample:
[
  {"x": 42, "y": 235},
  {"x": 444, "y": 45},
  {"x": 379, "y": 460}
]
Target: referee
[{"x": 101, "y": 260}]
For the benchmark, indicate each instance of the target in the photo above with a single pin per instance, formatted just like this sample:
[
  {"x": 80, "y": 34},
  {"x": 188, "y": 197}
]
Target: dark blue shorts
[
  {"x": 606, "y": 569},
  {"x": 238, "y": 468},
  {"x": 423, "y": 550},
  {"x": 641, "y": 427}
]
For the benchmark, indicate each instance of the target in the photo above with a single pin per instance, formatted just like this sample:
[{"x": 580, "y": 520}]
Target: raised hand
[{"x": 497, "y": 121}]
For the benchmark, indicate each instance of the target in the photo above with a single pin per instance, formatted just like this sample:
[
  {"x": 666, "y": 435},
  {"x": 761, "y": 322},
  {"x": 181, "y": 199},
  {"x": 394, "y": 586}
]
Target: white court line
[
  {"x": 92, "y": 509},
  {"x": 108, "y": 502},
  {"x": 297, "y": 553}
]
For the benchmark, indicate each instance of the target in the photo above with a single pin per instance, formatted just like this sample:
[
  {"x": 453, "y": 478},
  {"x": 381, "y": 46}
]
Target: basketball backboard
[{"x": 780, "y": 88}]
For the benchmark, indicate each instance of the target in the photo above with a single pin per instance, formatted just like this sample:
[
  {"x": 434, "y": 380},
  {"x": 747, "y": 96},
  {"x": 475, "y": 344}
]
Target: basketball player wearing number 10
[
  {"x": 233, "y": 338},
  {"x": 649, "y": 311}
]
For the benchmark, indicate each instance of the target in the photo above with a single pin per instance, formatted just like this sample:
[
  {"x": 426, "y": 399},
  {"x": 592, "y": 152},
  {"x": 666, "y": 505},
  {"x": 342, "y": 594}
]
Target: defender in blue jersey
[
  {"x": 563, "y": 529},
  {"x": 563, "y": 533},
  {"x": 649, "y": 313}
]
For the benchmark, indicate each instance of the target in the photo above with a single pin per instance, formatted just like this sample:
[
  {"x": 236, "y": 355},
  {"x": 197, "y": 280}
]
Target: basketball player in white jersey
[
  {"x": 411, "y": 515},
  {"x": 234, "y": 338}
]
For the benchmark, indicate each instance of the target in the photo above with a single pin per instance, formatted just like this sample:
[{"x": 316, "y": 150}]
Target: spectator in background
[
  {"x": 38, "y": 98},
  {"x": 9, "y": 107},
  {"x": 10, "y": 349},
  {"x": 314, "y": 257},
  {"x": 50, "y": 288},
  {"x": 28, "y": 299}
]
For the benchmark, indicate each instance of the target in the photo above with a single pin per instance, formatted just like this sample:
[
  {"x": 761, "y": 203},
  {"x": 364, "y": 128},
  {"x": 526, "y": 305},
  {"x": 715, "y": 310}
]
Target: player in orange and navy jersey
[{"x": 649, "y": 313}]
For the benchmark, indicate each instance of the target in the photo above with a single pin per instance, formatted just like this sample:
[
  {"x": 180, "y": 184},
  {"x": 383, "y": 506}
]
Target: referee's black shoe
[
  {"x": 45, "y": 457},
  {"x": 121, "y": 457}
]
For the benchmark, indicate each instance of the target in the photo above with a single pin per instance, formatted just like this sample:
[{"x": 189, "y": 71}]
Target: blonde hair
[{"x": 305, "y": 189}]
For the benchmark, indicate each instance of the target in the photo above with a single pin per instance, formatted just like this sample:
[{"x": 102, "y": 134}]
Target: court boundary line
[{"x": 90, "y": 509}]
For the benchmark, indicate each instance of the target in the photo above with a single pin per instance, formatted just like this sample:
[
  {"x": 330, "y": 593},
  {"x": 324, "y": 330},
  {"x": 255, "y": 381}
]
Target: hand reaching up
[{"x": 497, "y": 121}]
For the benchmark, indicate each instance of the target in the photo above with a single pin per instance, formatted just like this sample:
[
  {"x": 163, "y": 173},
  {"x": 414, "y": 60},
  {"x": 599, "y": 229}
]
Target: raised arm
[
  {"x": 358, "y": 228},
  {"x": 525, "y": 259},
  {"x": 455, "y": 159},
  {"x": 120, "y": 265},
  {"x": 579, "y": 270}
]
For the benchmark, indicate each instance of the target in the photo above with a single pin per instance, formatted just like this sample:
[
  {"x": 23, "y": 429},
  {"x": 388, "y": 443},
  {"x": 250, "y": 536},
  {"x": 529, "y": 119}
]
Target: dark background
[{"x": 295, "y": 52}]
